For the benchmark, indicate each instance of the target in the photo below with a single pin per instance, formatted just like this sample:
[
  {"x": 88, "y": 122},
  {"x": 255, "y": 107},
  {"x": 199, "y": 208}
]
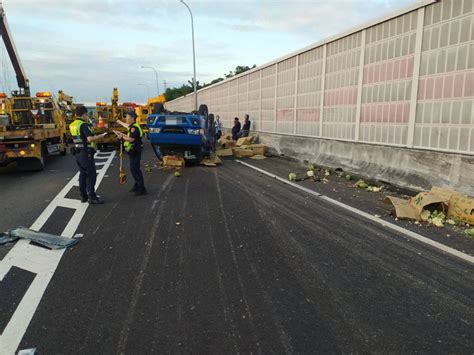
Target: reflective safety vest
[
  {"x": 75, "y": 128},
  {"x": 129, "y": 145}
]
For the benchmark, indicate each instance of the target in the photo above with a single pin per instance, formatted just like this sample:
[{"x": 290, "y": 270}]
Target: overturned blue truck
[{"x": 187, "y": 134}]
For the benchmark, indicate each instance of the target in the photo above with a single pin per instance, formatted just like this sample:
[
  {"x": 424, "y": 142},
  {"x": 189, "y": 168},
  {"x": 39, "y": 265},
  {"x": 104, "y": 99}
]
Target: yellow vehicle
[
  {"x": 32, "y": 128},
  {"x": 106, "y": 117},
  {"x": 68, "y": 109},
  {"x": 153, "y": 105}
]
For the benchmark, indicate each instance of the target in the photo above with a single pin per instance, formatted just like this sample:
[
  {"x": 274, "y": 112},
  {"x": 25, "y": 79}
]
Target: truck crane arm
[{"x": 21, "y": 77}]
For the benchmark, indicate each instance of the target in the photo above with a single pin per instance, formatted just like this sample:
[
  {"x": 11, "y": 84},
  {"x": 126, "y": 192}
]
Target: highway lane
[
  {"x": 24, "y": 194},
  {"x": 226, "y": 260}
]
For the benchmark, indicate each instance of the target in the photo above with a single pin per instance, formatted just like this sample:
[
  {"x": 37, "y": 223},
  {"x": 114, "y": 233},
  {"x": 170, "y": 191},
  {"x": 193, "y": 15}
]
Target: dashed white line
[
  {"x": 42, "y": 262},
  {"x": 406, "y": 232}
]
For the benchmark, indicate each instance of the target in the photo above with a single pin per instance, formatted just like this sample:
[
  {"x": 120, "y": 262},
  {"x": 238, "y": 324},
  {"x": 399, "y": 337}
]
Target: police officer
[
  {"x": 133, "y": 146},
  {"x": 84, "y": 150}
]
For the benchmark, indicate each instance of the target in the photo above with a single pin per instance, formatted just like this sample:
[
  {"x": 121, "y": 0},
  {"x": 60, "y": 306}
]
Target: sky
[{"x": 87, "y": 47}]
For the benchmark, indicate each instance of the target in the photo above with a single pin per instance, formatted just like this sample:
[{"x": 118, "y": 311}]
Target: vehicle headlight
[
  {"x": 193, "y": 131},
  {"x": 155, "y": 129}
]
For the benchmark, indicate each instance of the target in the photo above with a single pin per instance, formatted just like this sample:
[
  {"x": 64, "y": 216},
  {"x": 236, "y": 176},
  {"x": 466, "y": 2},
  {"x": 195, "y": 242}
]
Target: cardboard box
[
  {"x": 241, "y": 153},
  {"x": 244, "y": 141},
  {"x": 461, "y": 208},
  {"x": 229, "y": 144},
  {"x": 224, "y": 152},
  {"x": 258, "y": 149},
  {"x": 173, "y": 161}
]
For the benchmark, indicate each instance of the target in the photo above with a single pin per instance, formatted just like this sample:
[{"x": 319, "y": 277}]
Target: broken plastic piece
[
  {"x": 48, "y": 240},
  {"x": 31, "y": 351},
  {"x": 6, "y": 238}
]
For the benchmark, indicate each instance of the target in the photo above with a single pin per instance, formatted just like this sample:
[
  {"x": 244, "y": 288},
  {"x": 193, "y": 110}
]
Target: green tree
[{"x": 174, "y": 93}]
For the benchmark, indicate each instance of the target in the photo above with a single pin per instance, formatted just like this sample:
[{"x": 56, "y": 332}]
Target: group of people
[
  {"x": 85, "y": 147},
  {"x": 239, "y": 131}
]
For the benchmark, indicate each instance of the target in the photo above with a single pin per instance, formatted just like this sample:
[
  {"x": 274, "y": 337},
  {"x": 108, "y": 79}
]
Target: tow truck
[
  {"x": 68, "y": 108},
  {"x": 154, "y": 105},
  {"x": 106, "y": 117},
  {"x": 30, "y": 127},
  {"x": 180, "y": 133}
]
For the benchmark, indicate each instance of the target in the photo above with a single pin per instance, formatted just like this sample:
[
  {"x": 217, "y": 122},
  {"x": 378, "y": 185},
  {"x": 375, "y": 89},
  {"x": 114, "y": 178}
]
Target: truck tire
[
  {"x": 158, "y": 108},
  {"x": 203, "y": 110}
]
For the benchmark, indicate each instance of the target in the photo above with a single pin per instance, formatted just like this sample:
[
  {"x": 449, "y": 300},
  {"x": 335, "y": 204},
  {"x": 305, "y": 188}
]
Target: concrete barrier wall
[
  {"x": 413, "y": 168},
  {"x": 402, "y": 81}
]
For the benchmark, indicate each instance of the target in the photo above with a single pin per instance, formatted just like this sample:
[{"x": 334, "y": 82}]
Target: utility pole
[{"x": 194, "y": 56}]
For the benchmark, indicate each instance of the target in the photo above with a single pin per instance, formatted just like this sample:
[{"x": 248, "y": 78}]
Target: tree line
[{"x": 174, "y": 93}]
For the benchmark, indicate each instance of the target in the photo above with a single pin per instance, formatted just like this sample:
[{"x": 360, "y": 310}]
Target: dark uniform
[
  {"x": 134, "y": 150},
  {"x": 84, "y": 158}
]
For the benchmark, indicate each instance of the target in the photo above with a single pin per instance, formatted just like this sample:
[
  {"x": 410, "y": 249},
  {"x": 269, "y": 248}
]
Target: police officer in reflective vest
[
  {"x": 132, "y": 142},
  {"x": 84, "y": 150}
]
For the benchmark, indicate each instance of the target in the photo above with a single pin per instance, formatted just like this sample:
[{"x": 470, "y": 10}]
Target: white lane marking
[
  {"x": 392, "y": 226},
  {"x": 42, "y": 262}
]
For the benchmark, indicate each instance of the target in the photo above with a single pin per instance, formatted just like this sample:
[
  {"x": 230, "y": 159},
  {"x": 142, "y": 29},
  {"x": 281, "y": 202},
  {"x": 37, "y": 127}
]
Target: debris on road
[
  {"x": 245, "y": 147},
  {"x": 225, "y": 152},
  {"x": 31, "y": 351},
  {"x": 5, "y": 238},
  {"x": 361, "y": 184},
  {"x": 292, "y": 176},
  {"x": 212, "y": 161},
  {"x": 469, "y": 232},
  {"x": 177, "y": 174},
  {"x": 147, "y": 167},
  {"x": 51, "y": 241},
  {"x": 432, "y": 205},
  {"x": 173, "y": 161}
]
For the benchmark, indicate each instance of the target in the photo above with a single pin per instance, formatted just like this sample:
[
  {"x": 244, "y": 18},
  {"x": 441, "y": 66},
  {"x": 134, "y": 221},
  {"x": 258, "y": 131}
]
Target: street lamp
[
  {"x": 156, "y": 77},
  {"x": 194, "y": 56},
  {"x": 147, "y": 88}
]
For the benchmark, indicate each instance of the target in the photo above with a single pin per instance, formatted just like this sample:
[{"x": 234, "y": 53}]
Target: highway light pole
[
  {"x": 148, "y": 89},
  {"x": 194, "y": 56},
  {"x": 156, "y": 77}
]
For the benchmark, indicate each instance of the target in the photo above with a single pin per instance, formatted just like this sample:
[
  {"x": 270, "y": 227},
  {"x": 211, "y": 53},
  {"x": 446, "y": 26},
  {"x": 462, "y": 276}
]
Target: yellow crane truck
[
  {"x": 30, "y": 127},
  {"x": 106, "y": 117},
  {"x": 68, "y": 109},
  {"x": 154, "y": 105}
]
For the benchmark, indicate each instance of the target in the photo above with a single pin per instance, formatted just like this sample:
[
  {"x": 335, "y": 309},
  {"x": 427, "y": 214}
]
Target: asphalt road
[{"x": 224, "y": 260}]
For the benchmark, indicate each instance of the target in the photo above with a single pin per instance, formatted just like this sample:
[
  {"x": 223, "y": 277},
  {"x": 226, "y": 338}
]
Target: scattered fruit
[
  {"x": 292, "y": 177},
  {"x": 361, "y": 184},
  {"x": 177, "y": 174}
]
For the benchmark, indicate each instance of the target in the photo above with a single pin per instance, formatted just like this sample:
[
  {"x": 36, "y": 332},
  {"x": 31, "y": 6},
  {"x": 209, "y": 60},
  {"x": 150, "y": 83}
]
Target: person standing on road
[
  {"x": 133, "y": 146},
  {"x": 84, "y": 150},
  {"x": 218, "y": 127},
  {"x": 236, "y": 129}
]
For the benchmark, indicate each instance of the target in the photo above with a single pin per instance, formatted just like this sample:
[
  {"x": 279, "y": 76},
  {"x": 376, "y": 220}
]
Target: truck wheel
[
  {"x": 44, "y": 153},
  {"x": 203, "y": 110},
  {"x": 158, "y": 108}
]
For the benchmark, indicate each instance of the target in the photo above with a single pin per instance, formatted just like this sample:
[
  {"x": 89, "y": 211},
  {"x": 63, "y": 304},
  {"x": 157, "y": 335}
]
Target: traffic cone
[{"x": 101, "y": 123}]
